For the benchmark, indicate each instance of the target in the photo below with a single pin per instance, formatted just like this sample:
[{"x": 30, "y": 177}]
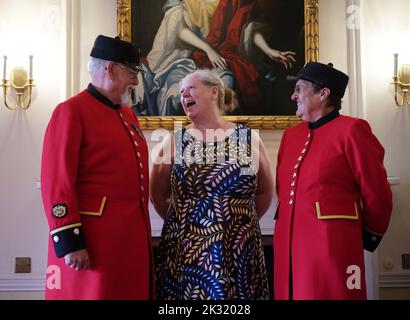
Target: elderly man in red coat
[
  {"x": 334, "y": 197},
  {"x": 94, "y": 179}
]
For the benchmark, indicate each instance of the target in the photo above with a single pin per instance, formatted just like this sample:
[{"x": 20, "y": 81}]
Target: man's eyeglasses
[{"x": 133, "y": 72}]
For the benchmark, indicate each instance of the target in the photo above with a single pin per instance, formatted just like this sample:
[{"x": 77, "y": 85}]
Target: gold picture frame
[{"x": 311, "y": 30}]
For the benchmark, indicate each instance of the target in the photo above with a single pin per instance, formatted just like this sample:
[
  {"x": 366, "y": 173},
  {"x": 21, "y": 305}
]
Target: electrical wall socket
[{"x": 23, "y": 265}]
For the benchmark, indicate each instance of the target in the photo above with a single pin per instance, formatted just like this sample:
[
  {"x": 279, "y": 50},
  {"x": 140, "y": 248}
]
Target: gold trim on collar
[
  {"x": 95, "y": 213},
  {"x": 337, "y": 216},
  {"x": 71, "y": 226}
]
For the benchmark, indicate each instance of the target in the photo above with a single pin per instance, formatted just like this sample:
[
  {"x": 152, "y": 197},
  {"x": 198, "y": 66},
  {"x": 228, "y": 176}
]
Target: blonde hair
[{"x": 226, "y": 96}]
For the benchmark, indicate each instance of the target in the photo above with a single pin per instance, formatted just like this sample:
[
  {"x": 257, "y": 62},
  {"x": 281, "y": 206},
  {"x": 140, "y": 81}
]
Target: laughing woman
[{"x": 211, "y": 183}]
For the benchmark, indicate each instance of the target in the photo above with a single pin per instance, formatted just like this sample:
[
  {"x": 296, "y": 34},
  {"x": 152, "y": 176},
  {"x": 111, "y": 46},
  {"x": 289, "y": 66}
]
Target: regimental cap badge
[{"x": 59, "y": 210}]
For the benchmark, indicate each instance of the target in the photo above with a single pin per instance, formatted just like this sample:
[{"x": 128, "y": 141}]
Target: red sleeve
[
  {"x": 278, "y": 162},
  {"x": 61, "y": 149},
  {"x": 365, "y": 155}
]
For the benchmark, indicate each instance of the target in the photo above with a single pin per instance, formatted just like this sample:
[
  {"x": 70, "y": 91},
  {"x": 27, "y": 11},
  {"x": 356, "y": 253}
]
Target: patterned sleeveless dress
[{"x": 210, "y": 246}]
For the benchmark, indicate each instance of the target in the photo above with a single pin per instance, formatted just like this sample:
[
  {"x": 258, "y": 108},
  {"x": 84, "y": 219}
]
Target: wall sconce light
[
  {"x": 20, "y": 82},
  {"x": 401, "y": 81}
]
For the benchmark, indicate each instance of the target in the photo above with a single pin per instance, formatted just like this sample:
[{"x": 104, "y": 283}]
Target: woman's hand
[
  {"x": 217, "y": 61},
  {"x": 287, "y": 58}
]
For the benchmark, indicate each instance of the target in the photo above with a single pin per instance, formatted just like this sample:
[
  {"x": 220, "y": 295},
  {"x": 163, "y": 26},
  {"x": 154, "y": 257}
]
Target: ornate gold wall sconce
[
  {"x": 20, "y": 82},
  {"x": 401, "y": 81}
]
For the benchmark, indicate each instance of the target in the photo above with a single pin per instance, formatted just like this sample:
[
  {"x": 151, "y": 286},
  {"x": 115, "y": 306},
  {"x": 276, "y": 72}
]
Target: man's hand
[{"x": 78, "y": 260}]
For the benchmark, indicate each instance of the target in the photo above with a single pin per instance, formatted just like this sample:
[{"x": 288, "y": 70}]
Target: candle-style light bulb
[
  {"x": 31, "y": 67},
  {"x": 4, "y": 67},
  {"x": 395, "y": 72}
]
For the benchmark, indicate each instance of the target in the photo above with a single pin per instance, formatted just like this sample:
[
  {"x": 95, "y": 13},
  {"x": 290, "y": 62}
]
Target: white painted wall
[
  {"x": 385, "y": 30},
  {"x": 41, "y": 29},
  {"x": 96, "y": 17},
  {"x": 28, "y": 27}
]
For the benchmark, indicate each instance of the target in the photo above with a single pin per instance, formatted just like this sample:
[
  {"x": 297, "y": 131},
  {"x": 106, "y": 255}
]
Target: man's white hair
[{"x": 96, "y": 64}]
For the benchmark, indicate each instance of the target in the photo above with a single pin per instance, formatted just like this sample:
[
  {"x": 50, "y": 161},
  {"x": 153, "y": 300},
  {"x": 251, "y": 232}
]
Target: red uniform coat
[
  {"x": 333, "y": 195},
  {"x": 94, "y": 181}
]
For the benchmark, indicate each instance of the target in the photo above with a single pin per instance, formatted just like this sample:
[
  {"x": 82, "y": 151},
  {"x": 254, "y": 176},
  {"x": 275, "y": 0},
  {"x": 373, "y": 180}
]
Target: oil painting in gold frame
[{"x": 133, "y": 17}]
